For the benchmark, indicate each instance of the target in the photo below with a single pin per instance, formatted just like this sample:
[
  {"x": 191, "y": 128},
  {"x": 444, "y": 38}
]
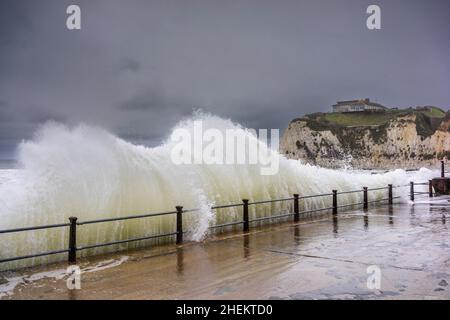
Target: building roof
[{"x": 360, "y": 101}]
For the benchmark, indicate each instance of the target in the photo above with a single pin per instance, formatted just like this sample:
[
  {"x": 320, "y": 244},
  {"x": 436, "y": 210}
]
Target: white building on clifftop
[{"x": 357, "y": 106}]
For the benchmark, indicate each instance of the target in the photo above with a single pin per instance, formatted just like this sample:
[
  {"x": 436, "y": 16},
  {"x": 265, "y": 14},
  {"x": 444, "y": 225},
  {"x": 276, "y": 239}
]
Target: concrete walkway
[{"x": 317, "y": 258}]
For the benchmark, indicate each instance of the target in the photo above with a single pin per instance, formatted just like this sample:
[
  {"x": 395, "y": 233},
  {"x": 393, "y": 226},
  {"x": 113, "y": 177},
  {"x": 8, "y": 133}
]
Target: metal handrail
[
  {"x": 126, "y": 217},
  {"x": 317, "y": 210},
  {"x": 269, "y": 201},
  {"x": 184, "y": 211},
  {"x": 179, "y": 232},
  {"x": 316, "y": 196},
  {"x": 34, "y": 255},
  {"x": 125, "y": 241},
  {"x": 376, "y": 189},
  {"x": 226, "y": 206},
  {"x": 49, "y": 226},
  {"x": 278, "y": 216},
  {"x": 226, "y": 224},
  {"x": 354, "y": 191},
  {"x": 174, "y": 212}
]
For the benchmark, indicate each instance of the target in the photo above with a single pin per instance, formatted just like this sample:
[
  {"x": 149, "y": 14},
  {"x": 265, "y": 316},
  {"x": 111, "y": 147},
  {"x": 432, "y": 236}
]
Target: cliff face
[{"x": 407, "y": 141}]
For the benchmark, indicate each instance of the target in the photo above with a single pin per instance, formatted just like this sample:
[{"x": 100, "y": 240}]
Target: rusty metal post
[
  {"x": 411, "y": 191},
  {"x": 390, "y": 197},
  {"x": 430, "y": 188},
  {"x": 72, "y": 259},
  {"x": 442, "y": 169},
  {"x": 245, "y": 215},
  {"x": 365, "y": 198},
  {"x": 335, "y": 202},
  {"x": 296, "y": 208},
  {"x": 179, "y": 224}
]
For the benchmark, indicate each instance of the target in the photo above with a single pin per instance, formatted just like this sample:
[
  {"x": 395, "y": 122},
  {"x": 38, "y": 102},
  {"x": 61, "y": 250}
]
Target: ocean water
[
  {"x": 89, "y": 173},
  {"x": 6, "y": 175}
]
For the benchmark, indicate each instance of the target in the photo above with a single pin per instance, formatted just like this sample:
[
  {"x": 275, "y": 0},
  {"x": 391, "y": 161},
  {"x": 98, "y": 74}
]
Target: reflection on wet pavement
[{"x": 320, "y": 257}]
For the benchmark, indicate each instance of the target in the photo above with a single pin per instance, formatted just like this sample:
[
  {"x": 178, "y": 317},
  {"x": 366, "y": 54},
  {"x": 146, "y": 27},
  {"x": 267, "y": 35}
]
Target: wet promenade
[{"x": 320, "y": 257}]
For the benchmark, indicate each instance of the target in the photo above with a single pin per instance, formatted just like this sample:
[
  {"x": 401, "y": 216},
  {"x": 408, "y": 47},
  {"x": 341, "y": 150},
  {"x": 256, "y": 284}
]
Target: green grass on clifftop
[
  {"x": 358, "y": 119},
  {"x": 371, "y": 118},
  {"x": 434, "y": 113},
  {"x": 427, "y": 121}
]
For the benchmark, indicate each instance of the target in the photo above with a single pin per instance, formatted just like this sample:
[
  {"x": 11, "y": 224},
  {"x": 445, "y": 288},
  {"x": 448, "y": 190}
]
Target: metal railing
[
  {"x": 413, "y": 193},
  {"x": 443, "y": 172},
  {"x": 443, "y": 169},
  {"x": 179, "y": 212}
]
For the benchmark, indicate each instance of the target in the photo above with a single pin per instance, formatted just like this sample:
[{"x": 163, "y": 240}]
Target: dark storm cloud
[
  {"x": 151, "y": 100},
  {"x": 128, "y": 64},
  {"x": 138, "y": 67},
  {"x": 140, "y": 103},
  {"x": 14, "y": 20},
  {"x": 5, "y": 116},
  {"x": 38, "y": 115}
]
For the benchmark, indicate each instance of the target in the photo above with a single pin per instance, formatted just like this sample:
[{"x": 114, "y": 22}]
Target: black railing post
[
  {"x": 245, "y": 215},
  {"x": 442, "y": 169},
  {"x": 296, "y": 209},
  {"x": 73, "y": 240},
  {"x": 411, "y": 191},
  {"x": 334, "y": 201},
  {"x": 365, "y": 198},
  {"x": 430, "y": 188},
  {"x": 179, "y": 224},
  {"x": 390, "y": 197}
]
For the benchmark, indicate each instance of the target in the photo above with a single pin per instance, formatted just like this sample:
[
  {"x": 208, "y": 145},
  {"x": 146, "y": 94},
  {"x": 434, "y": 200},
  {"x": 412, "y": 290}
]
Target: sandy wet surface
[{"x": 320, "y": 257}]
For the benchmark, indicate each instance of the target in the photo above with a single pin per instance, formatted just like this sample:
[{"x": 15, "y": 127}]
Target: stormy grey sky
[{"x": 137, "y": 67}]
